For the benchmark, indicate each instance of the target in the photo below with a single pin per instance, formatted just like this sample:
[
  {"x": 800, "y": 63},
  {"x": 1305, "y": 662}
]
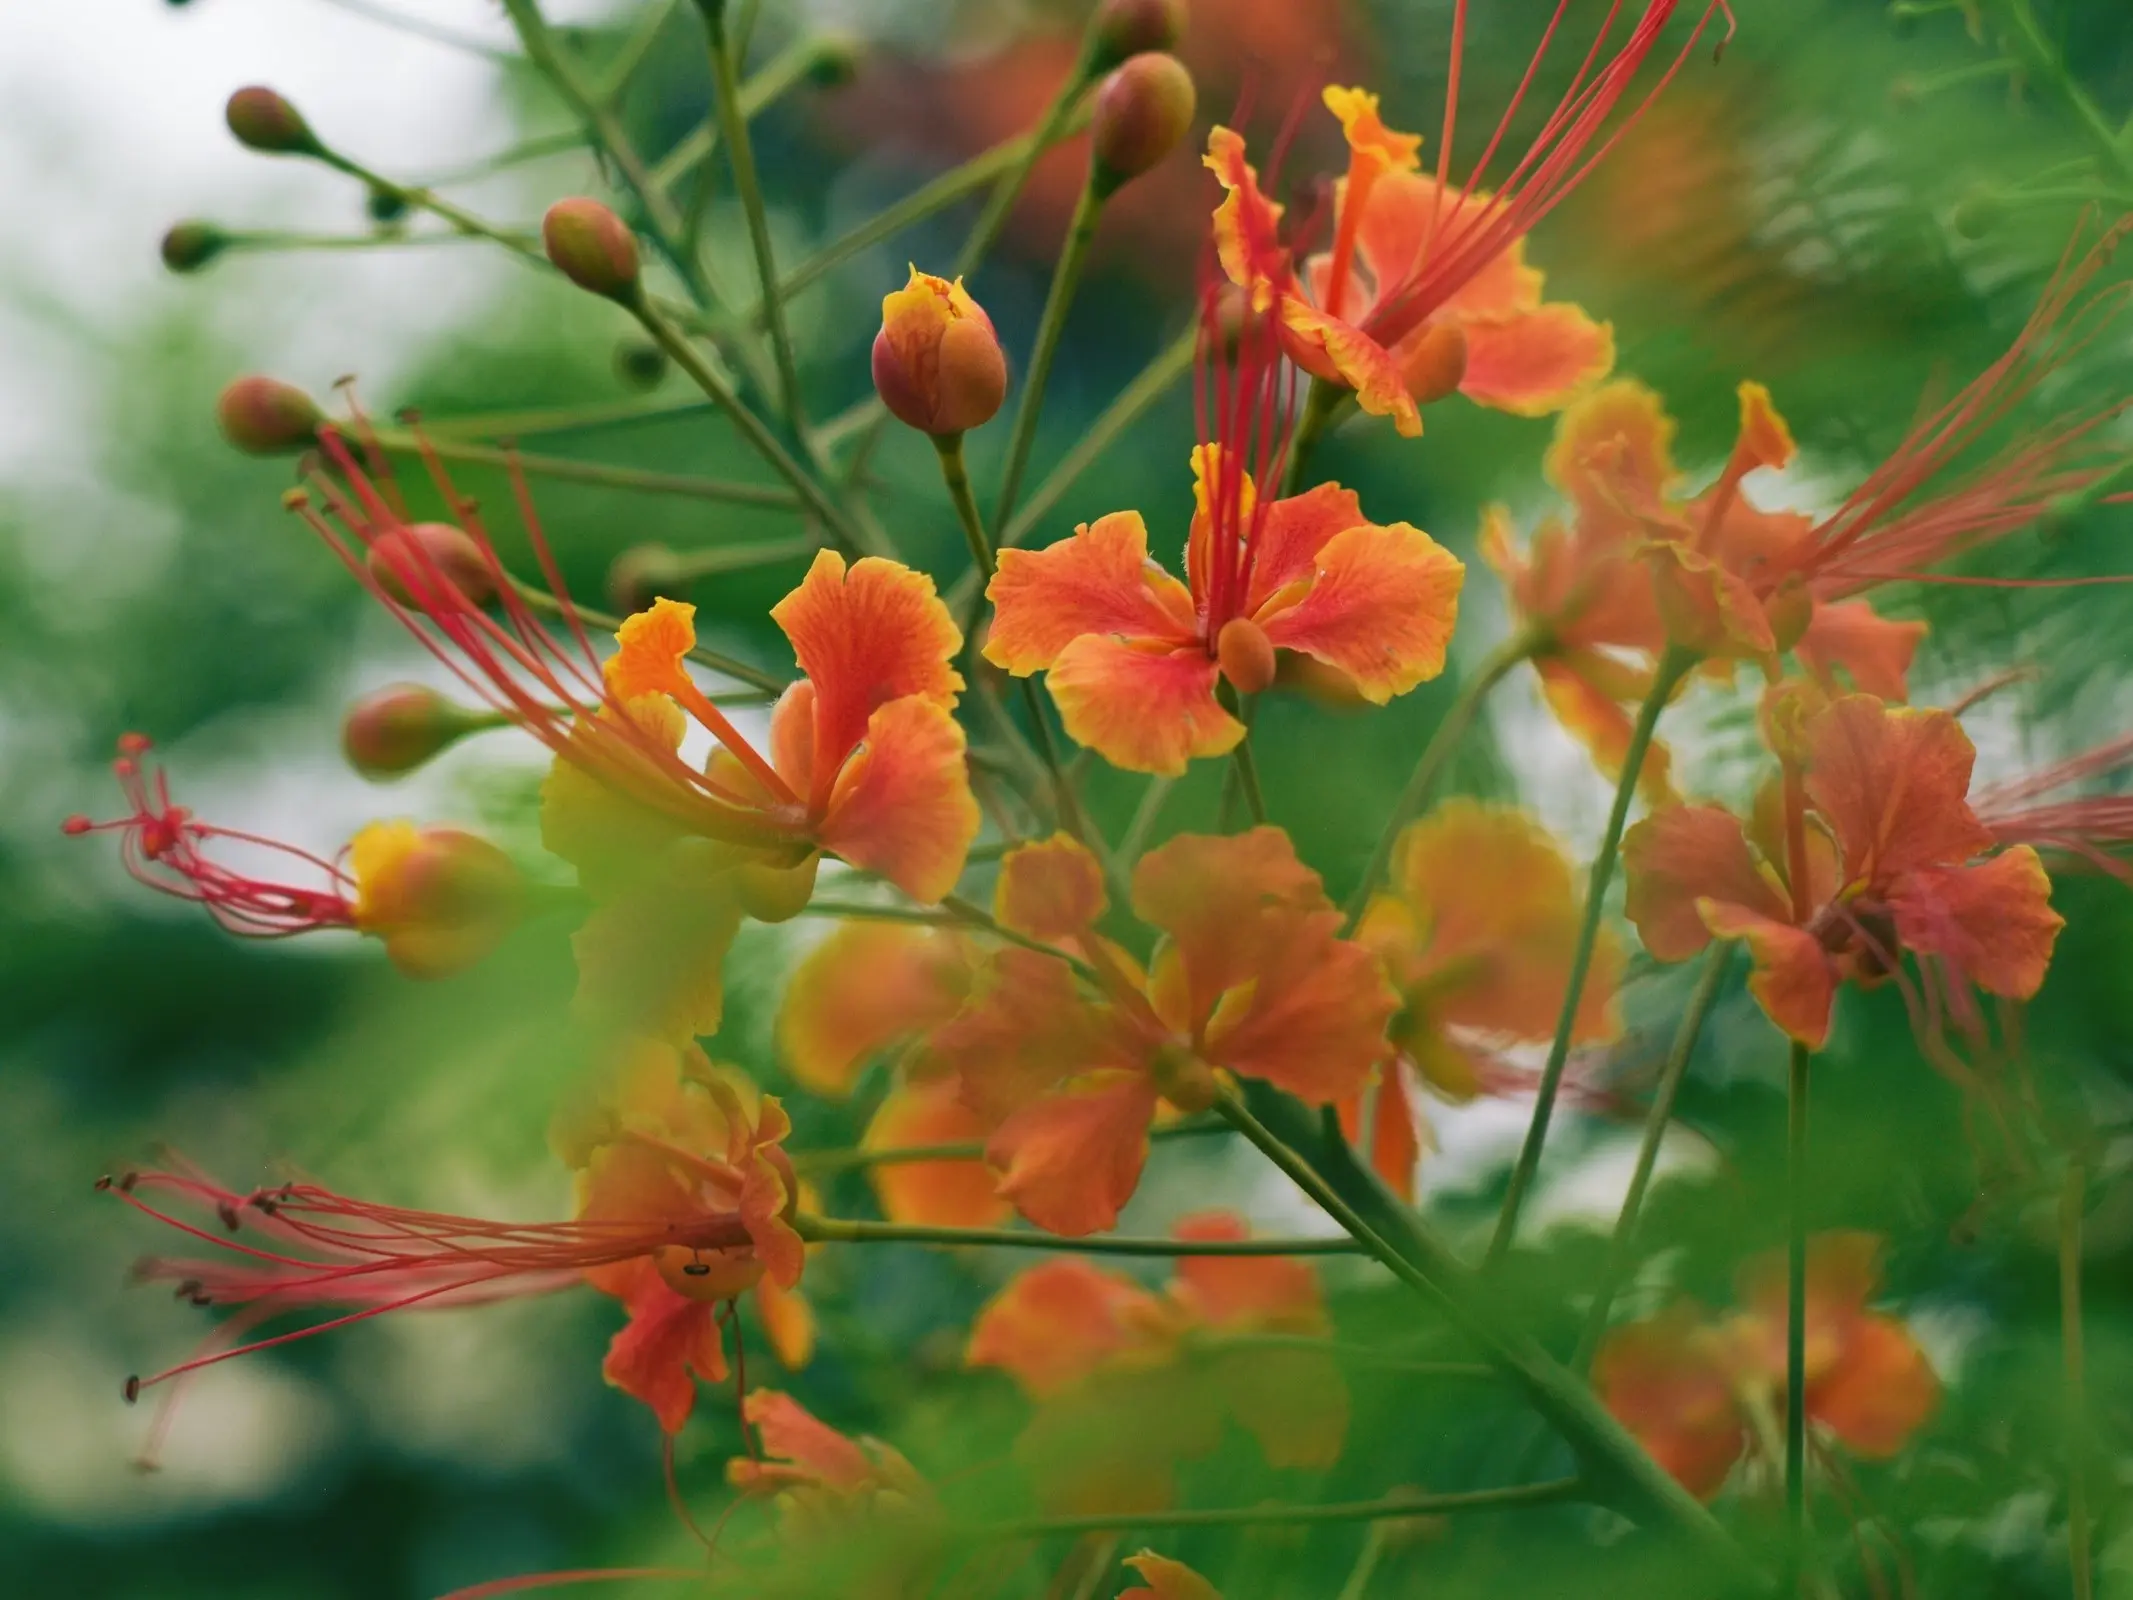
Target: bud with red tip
[
  {"x": 188, "y": 246},
  {"x": 265, "y": 121},
  {"x": 431, "y": 566},
  {"x": 390, "y": 732},
  {"x": 938, "y": 365},
  {"x": 592, "y": 247},
  {"x": 1125, "y": 28},
  {"x": 437, "y": 898},
  {"x": 265, "y": 417},
  {"x": 1142, "y": 110}
]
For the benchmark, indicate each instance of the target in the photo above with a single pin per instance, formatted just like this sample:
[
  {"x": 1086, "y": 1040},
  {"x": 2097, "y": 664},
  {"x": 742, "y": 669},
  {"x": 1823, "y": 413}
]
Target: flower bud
[
  {"x": 772, "y": 893},
  {"x": 264, "y": 121},
  {"x": 265, "y": 417},
  {"x": 1185, "y": 1080},
  {"x": 1434, "y": 362},
  {"x": 385, "y": 206},
  {"x": 430, "y": 565},
  {"x": 640, "y": 364},
  {"x": 1246, "y": 655},
  {"x": 438, "y": 898},
  {"x": 1978, "y": 213},
  {"x": 592, "y": 247},
  {"x": 390, "y": 732},
  {"x": 1142, "y": 111},
  {"x": 641, "y": 574},
  {"x": 836, "y": 61},
  {"x": 188, "y": 246},
  {"x": 938, "y": 365},
  {"x": 1124, "y": 28}
]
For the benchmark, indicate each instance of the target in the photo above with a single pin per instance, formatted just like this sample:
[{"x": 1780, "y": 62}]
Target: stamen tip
[{"x": 130, "y": 1390}]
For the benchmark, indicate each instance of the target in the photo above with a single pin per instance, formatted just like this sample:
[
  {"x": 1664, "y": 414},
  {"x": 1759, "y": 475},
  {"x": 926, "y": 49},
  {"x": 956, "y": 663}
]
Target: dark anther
[
  {"x": 127, "y": 1182},
  {"x": 697, "y": 1269},
  {"x": 189, "y": 1289},
  {"x": 131, "y": 1389},
  {"x": 228, "y": 1214},
  {"x": 265, "y": 1204},
  {"x": 104, "y": 1183}
]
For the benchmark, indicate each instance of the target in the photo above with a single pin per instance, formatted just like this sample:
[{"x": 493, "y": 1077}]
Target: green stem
[
  {"x": 949, "y": 447},
  {"x": 1366, "y": 1564},
  {"x": 2073, "y": 1198},
  {"x": 635, "y": 49},
  {"x": 752, "y": 427},
  {"x": 1320, "y": 407},
  {"x": 1066, "y": 277},
  {"x": 1429, "y": 766},
  {"x": 2051, "y": 66},
  {"x": 1058, "y": 120},
  {"x": 776, "y": 78},
  {"x": 540, "y": 600},
  {"x": 533, "y": 149},
  {"x": 1242, "y": 767},
  {"x": 740, "y": 157},
  {"x": 1392, "y": 1508},
  {"x": 272, "y": 240},
  {"x": 852, "y": 1160},
  {"x": 1796, "y": 1302},
  {"x": 561, "y": 419},
  {"x": 524, "y": 245},
  {"x": 1673, "y": 666},
  {"x": 693, "y": 566},
  {"x": 841, "y": 1230},
  {"x": 400, "y": 441},
  {"x": 1144, "y": 815},
  {"x": 1623, "y": 1247},
  {"x": 422, "y": 28}
]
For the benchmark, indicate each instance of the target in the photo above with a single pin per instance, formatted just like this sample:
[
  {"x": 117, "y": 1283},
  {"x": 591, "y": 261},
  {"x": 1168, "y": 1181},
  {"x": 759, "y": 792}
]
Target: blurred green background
[{"x": 1854, "y": 207}]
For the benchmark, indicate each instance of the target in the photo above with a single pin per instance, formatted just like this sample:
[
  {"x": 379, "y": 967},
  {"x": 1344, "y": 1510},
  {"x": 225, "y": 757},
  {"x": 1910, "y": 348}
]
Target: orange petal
[
  {"x": 1027, "y": 1027},
  {"x": 1793, "y": 979},
  {"x": 1380, "y": 609},
  {"x": 1167, "y": 1580},
  {"x": 1099, "y": 580},
  {"x": 1409, "y": 216},
  {"x": 902, "y": 806},
  {"x": 1765, "y": 440},
  {"x": 1613, "y": 455},
  {"x": 1682, "y": 854},
  {"x": 1144, "y": 709},
  {"x": 1313, "y": 1021},
  {"x": 947, "y": 1194},
  {"x": 1879, "y": 1391},
  {"x": 652, "y": 644},
  {"x": 1395, "y": 1142},
  {"x": 788, "y": 1323},
  {"x": 1246, "y": 224},
  {"x": 1051, "y": 890},
  {"x": 650, "y": 961},
  {"x": 1226, "y": 901},
  {"x": 790, "y": 1433},
  {"x": 864, "y": 988},
  {"x": 1661, "y": 1380},
  {"x": 1293, "y": 1402},
  {"x": 1246, "y": 1294},
  {"x": 1707, "y": 607},
  {"x": 865, "y": 636},
  {"x": 1329, "y": 348},
  {"x": 1873, "y": 652},
  {"x": 1537, "y": 361},
  {"x": 1365, "y": 130},
  {"x": 1991, "y": 923},
  {"x": 667, "y": 1344},
  {"x": 1601, "y": 725},
  {"x": 1070, "y": 1160},
  {"x": 1288, "y": 537},
  {"x": 1054, "y": 1324},
  {"x": 1892, "y": 784}
]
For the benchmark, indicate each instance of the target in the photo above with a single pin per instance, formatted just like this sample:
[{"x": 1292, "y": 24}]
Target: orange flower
[
  {"x": 1132, "y": 656},
  {"x": 1699, "y": 1393},
  {"x": 1425, "y": 288},
  {"x": 437, "y": 899},
  {"x": 819, "y": 1475},
  {"x": 1476, "y": 933},
  {"x": 1251, "y": 977},
  {"x": 1092, "y": 1346},
  {"x": 1896, "y": 872},
  {"x": 1167, "y": 1580}
]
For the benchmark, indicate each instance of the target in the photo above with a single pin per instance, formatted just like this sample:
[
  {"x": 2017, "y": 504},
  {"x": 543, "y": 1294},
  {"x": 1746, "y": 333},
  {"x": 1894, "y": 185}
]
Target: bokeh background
[{"x": 1855, "y": 207}]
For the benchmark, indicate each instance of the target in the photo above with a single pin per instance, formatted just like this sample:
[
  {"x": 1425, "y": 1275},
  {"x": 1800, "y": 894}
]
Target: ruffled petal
[
  {"x": 1680, "y": 855},
  {"x": 1144, "y": 709},
  {"x": 1054, "y": 1324},
  {"x": 1409, "y": 216},
  {"x": 1537, "y": 361},
  {"x": 902, "y": 806},
  {"x": 1395, "y": 1140},
  {"x": 1893, "y": 785},
  {"x": 1071, "y": 1160},
  {"x": 1879, "y": 1392},
  {"x": 650, "y": 961},
  {"x": 1329, "y": 348},
  {"x": 1098, "y": 580},
  {"x": 1661, "y": 1381},
  {"x": 947, "y": 1194},
  {"x": 1380, "y": 609},
  {"x": 1165, "y": 1579},
  {"x": 1991, "y": 923},
  {"x": 864, "y": 988},
  {"x": 1793, "y": 979},
  {"x": 1706, "y": 607},
  {"x": 1027, "y": 1028},
  {"x": 788, "y": 1324},
  {"x": 1246, "y": 224},
  {"x": 651, "y": 647},
  {"x": 790, "y": 1433},
  {"x": 1286, "y": 543},
  {"x": 1613, "y": 457},
  {"x": 667, "y": 1344},
  {"x": 1873, "y": 653},
  {"x": 1052, "y": 889},
  {"x": 1600, "y": 724},
  {"x": 867, "y": 635},
  {"x": 1246, "y": 1294},
  {"x": 1314, "y": 1020},
  {"x": 1228, "y": 903}
]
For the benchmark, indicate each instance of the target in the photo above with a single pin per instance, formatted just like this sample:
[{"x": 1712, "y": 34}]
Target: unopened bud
[
  {"x": 189, "y": 246},
  {"x": 432, "y": 566},
  {"x": 1977, "y": 213},
  {"x": 773, "y": 893},
  {"x": 1246, "y": 655},
  {"x": 390, "y": 732},
  {"x": 264, "y": 120},
  {"x": 640, "y": 364},
  {"x": 1434, "y": 362},
  {"x": 938, "y": 365},
  {"x": 1185, "y": 1080},
  {"x": 438, "y": 898},
  {"x": 592, "y": 247},
  {"x": 265, "y": 417},
  {"x": 641, "y": 574},
  {"x": 836, "y": 61},
  {"x": 385, "y": 206},
  {"x": 1142, "y": 110},
  {"x": 1124, "y": 28}
]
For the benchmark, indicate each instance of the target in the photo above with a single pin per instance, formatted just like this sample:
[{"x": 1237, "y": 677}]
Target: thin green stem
[
  {"x": 2049, "y": 64},
  {"x": 270, "y": 239},
  {"x": 1144, "y": 815},
  {"x": 1429, "y": 766},
  {"x": 2073, "y": 1200},
  {"x": 1066, "y": 277},
  {"x": 636, "y": 49},
  {"x": 693, "y": 566},
  {"x": 524, "y": 245},
  {"x": 860, "y": 1158},
  {"x": 1392, "y": 1508},
  {"x": 752, "y": 427},
  {"x": 1622, "y": 1249},
  {"x": 422, "y": 28},
  {"x": 1058, "y": 120},
  {"x": 949, "y": 447},
  {"x": 1796, "y": 1301},
  {"x": 1366, "y": 1564},
  {"x": 540, "y": 600},
  {"x": 1242, "y": 766},
  {"x": 534, "y": 149},
  {"x": 841, "y": 1230},
  {"x": 1321, "y": 405},
  {"x": 763, "y": 88},
  {"x": 400, "y": 441},
  {"x": 561, "y": 419},
  {"x": 1673, "y": 666},
  {"x": 740, "y": 157}
]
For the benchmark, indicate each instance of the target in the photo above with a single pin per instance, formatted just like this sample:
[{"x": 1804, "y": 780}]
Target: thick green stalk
[
  {"x": 2048, "y": 64},
  {"x": 1392, "y": 1508},
  {"x": 766, "y": 684},
  {"x": 1321, "y": 405},
  {"x": 1066, "y": 277},
  {"x": 1673, "y": 666},
  {"x": 1057, "y": 122},
  {"x": 1623, "y": 1247},
  {"x": 740, "y": 157},
  {"x": 1451, "y": 728},
  {"x": 401, "y": 441},
  {"x": 1796, "y": 1302},
  {"x": 1242, "y": 780},
  {"x": 841, "y": 1230},
  {"x": 949, "y": 447},
  {"x": 2073, "y": 1199}
]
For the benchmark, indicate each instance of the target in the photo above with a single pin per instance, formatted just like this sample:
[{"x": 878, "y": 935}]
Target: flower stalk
[{"x": 1066, "y": 278}]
